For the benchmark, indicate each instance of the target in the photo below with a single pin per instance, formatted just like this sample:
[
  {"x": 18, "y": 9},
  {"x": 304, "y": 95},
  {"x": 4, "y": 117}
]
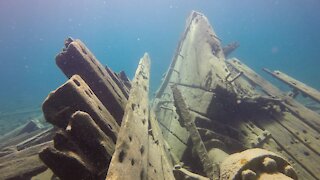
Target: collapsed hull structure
[{"x": 211, "y": 118}]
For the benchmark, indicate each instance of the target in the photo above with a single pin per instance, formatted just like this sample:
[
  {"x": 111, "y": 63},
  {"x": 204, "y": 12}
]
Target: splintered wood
[{"x": 130, "y": 160}]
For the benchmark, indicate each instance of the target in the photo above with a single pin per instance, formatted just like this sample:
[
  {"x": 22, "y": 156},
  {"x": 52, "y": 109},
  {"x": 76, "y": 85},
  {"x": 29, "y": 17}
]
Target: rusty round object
[{"x": 256, "y": 160}]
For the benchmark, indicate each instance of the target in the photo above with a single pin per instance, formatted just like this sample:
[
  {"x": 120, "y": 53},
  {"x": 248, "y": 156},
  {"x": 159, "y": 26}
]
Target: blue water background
[{"x": 277, "y": 34}]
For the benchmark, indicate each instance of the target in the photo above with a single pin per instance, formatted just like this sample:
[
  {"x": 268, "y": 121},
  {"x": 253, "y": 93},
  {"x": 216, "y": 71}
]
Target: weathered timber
[
  {"x": 302, "y": 131},
  {"x": 131, "y": 152},
  {"x": 293, "y": 146},
  {"x": 125, "y": 80},
  {"x": 199, "y": 64},
  {"x": 123, "y": 87},
  {"x": 228, "y": 49},
  {"x": 182, "y": 173},
  {"x": 23, "y": 164},
  {"x": 76, "y": 58},
  {"x": 305, "y": 89},
  {"x": 82, "y": 147},
  {"x": 67, "y": 164},
  {"x": 28, "y": 127},
  {"x": 159, "y": 164},
  {"x": 209, "y": 167},
  {"x": 22, "y": 139},
  {"x": 200, "y": 52},
  {"x": 308, "y": 116},
  {"x": 252, "y": 76},
  {"x": 44, "y": 136},
  {"x": 73, "y": 96},
  {"x": 95, "y": 145}
]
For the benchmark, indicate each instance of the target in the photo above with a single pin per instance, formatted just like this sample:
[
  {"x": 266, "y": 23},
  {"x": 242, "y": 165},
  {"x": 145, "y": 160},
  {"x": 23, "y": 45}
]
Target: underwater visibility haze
[{"x": 275, "y": 34}]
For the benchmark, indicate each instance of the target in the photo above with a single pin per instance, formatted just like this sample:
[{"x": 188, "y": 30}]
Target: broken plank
[
  {"x": 131, "y": 152},
  {"x": 305, "y": 89}
]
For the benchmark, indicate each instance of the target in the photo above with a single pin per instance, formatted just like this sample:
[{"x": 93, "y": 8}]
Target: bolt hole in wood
[
  {"x": 142, "y": 149},
  {"x": 132, "y": 162},
  {"x": 130, "y": 138},
  {"x": 100, "y": 71},
  {"x": 304, "y": 131},
  {"x": 87, "y": 92},
  {"x": 133, "y": 106},
  {"x": 77, "y": 82},
  {"x": 121, "y": 156}
]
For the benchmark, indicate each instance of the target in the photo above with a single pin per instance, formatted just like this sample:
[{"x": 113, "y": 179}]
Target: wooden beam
[
  {"x": 76, "y": 95},
  {"x": 209, "y": 167},
  {"x": 76, "y": 58},
  {"x": 305, "y": 89},
  {"x": 23, "y": 164},
  {"x": 130, "y": 160},
  {"x": 254, "y": 78}
]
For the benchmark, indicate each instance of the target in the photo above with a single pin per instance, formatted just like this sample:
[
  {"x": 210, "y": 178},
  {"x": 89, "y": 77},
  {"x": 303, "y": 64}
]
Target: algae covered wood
[
  {"x": 305, "y": 89},
  {"x": 130, "y": 159}
]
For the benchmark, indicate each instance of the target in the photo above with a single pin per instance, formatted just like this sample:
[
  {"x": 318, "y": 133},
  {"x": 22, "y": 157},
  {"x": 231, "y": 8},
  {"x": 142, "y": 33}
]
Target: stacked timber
[{"x": 87, "y": 110}]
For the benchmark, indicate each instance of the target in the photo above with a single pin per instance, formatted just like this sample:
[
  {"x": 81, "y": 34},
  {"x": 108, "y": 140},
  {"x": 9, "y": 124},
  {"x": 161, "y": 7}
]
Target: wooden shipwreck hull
[{"x": 212, "y": 118}]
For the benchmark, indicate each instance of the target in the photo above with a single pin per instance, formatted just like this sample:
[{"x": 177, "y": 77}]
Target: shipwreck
[{"x": 212, "y": 117}]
